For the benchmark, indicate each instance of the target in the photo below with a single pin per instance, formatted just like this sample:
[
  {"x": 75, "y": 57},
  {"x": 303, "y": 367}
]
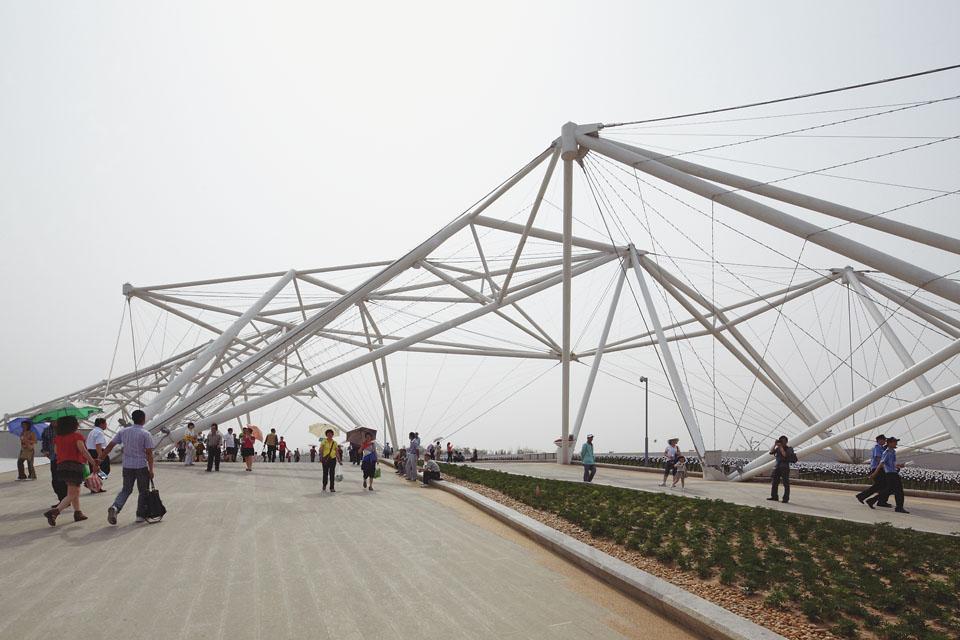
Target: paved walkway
[
  {"x": 926, "y": 514},
  {"x": 266, "y": 555}
]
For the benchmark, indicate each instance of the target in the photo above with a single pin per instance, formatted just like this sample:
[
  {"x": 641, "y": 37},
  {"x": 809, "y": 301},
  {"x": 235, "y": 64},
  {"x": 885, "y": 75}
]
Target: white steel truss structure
[{"x": 308, "y": 328}]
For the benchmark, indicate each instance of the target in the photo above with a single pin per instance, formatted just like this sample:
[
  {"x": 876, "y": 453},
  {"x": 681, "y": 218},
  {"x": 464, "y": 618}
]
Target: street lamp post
[{"x": 646, "y": 419}]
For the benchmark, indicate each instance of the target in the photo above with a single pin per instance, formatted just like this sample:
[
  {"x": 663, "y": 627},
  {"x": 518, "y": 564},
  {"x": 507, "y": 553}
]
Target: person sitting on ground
[
  {"x": 431, "y": 470},
  {"x": 681, "y": 475},
  {"x": 398, "y": 460}
]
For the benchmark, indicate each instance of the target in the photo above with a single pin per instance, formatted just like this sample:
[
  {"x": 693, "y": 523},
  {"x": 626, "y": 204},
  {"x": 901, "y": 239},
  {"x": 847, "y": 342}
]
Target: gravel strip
[{"x": 752, "y": 608}]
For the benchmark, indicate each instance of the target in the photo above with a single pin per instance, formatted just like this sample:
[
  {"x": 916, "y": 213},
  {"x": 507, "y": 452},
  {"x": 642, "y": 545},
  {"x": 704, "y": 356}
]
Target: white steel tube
[
  {"x": 566, "y": 298},
  {"x": 899, "y": 412},
  {"x": 215, "y": 348},
  {"x": 906, "y": 271},
  {"x": 926, "y": 442},
  {"x": 944, "y": 416},
  {"x": 595, "y": 365},
  {"x": 759, "y": 187},
  {"x": 772, "y": 381},
  {"x": 939, "y": 319},
  {"x": 873, "y": 395},
  {"x": 320, "y": 320},
  {"x": 529, "y": 225},
  {"x": 689, "y": 418},
  {"x": 359, "y": 361}
]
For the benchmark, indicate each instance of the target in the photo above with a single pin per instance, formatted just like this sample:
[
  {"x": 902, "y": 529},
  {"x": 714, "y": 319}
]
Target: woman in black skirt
[
  {"x": 71, "y": 450},
  {"x": 246, "y": 448},
  {"x": 368, "y": 462}
]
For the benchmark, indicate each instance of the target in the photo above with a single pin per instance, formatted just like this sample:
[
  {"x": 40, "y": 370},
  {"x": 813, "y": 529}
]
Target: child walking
[{"x": 681, "y": 473}]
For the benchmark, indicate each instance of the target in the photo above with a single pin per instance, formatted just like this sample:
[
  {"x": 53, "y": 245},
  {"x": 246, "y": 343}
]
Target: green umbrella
[{"x": 81, "y": 413}]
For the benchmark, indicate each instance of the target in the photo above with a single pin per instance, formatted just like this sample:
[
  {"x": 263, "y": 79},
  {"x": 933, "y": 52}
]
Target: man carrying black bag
[{"x": 137, "y": 445}]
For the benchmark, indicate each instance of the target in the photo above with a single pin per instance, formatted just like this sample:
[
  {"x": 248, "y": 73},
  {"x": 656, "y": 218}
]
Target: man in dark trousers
[
  {"x": 891, "y": 478},
  {"x": 877, "y": 485},
  {"x": 214, "y": 440},
  {"x": 47, "y": 449},
  {"x": 781, "y": 473}
]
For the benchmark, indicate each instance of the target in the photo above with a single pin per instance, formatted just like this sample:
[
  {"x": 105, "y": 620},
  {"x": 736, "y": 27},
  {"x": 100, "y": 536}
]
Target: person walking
[
  {"x": 283, "y": 449},
  {"x": 413, "y": 453},
  {"x": 313, "y": 453},
  {"x": 271, "y": 442},
  {"x": 681, "y": 475},
  {"x": 587, "y": 459},
  {"x": 246, "y": 447},
  {"x": 137, "y": 463},
  {"x": 28, "y": 442},
  {"x": 891, "y": 478},
  {"x": 671, "y": 454},
  {"x": 784, "y": 455},
  {"x": 96, "y": 442},
  {"x": 230, "y": 445},
  {"x": 876, "y": 471},
  {"x": 296, "y": 454},
  {"x": 48, "y": 449},
  {"x": 368, "y": 463},
  {"x": 214, "y": 440},
  {"x": 449, "y": 452},
  {"x": 328, "y": 458},
  {"x": 72, "y": 452}
]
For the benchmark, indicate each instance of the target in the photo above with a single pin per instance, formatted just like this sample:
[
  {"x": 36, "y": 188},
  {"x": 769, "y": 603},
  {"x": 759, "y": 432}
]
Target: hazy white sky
[{"x": 158, "y": 142}]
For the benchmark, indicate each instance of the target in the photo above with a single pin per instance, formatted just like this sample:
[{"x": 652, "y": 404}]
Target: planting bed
[
  {"x": 854, "y": 579},
  {"x": 913, "y": 477}
]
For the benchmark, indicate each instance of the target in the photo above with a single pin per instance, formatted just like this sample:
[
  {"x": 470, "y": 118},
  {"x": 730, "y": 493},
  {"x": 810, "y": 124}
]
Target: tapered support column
[
  {"x": 595, "y": 365},
  {"x": 689, "y": 418},
  {"x": 568, "y": 151},
  {"x": 945, "y": 417}
]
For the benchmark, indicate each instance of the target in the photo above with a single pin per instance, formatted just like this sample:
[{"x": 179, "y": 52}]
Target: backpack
[
  {"x": 791, "y": 456},
  {"x": 154, "y": 509}
]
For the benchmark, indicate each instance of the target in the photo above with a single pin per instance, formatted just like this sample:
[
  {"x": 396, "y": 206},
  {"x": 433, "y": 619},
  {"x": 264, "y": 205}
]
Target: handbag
[
  {"x": 85, "y": 471},
  {"x": 154, "y": 509},
  {"x": 376, "y": 473}
]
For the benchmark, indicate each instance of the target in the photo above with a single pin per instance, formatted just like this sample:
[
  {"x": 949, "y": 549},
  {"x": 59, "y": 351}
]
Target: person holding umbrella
[
  {"x": 246, "y": 447},
  {"x": 368, "y": 464},
  {"x": 71, "y": 449}
]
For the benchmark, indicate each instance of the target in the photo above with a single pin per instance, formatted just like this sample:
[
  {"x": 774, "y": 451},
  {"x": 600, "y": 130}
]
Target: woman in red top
[
  {"x": 71, "y": 449},
  {"x": 246, "y": 447}
]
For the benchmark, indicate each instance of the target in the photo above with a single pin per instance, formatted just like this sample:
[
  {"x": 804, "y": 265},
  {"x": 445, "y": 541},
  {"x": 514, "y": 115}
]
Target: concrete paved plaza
[
  {"x": 266, "y": 555},
  {"x": 926, "y": 514}
]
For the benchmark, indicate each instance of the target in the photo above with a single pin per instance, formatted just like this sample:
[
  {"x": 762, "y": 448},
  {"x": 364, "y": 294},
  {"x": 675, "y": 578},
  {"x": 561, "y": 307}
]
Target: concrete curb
[{"x": 691, "y": 611}]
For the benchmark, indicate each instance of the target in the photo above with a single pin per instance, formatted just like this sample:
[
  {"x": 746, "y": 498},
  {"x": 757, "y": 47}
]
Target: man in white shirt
[
  {"x": 230, "y": 444},
  {"x": 96, "y": 443}
]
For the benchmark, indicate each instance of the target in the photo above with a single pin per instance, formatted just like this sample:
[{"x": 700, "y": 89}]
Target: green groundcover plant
[{"x": 856, "y": 579}]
